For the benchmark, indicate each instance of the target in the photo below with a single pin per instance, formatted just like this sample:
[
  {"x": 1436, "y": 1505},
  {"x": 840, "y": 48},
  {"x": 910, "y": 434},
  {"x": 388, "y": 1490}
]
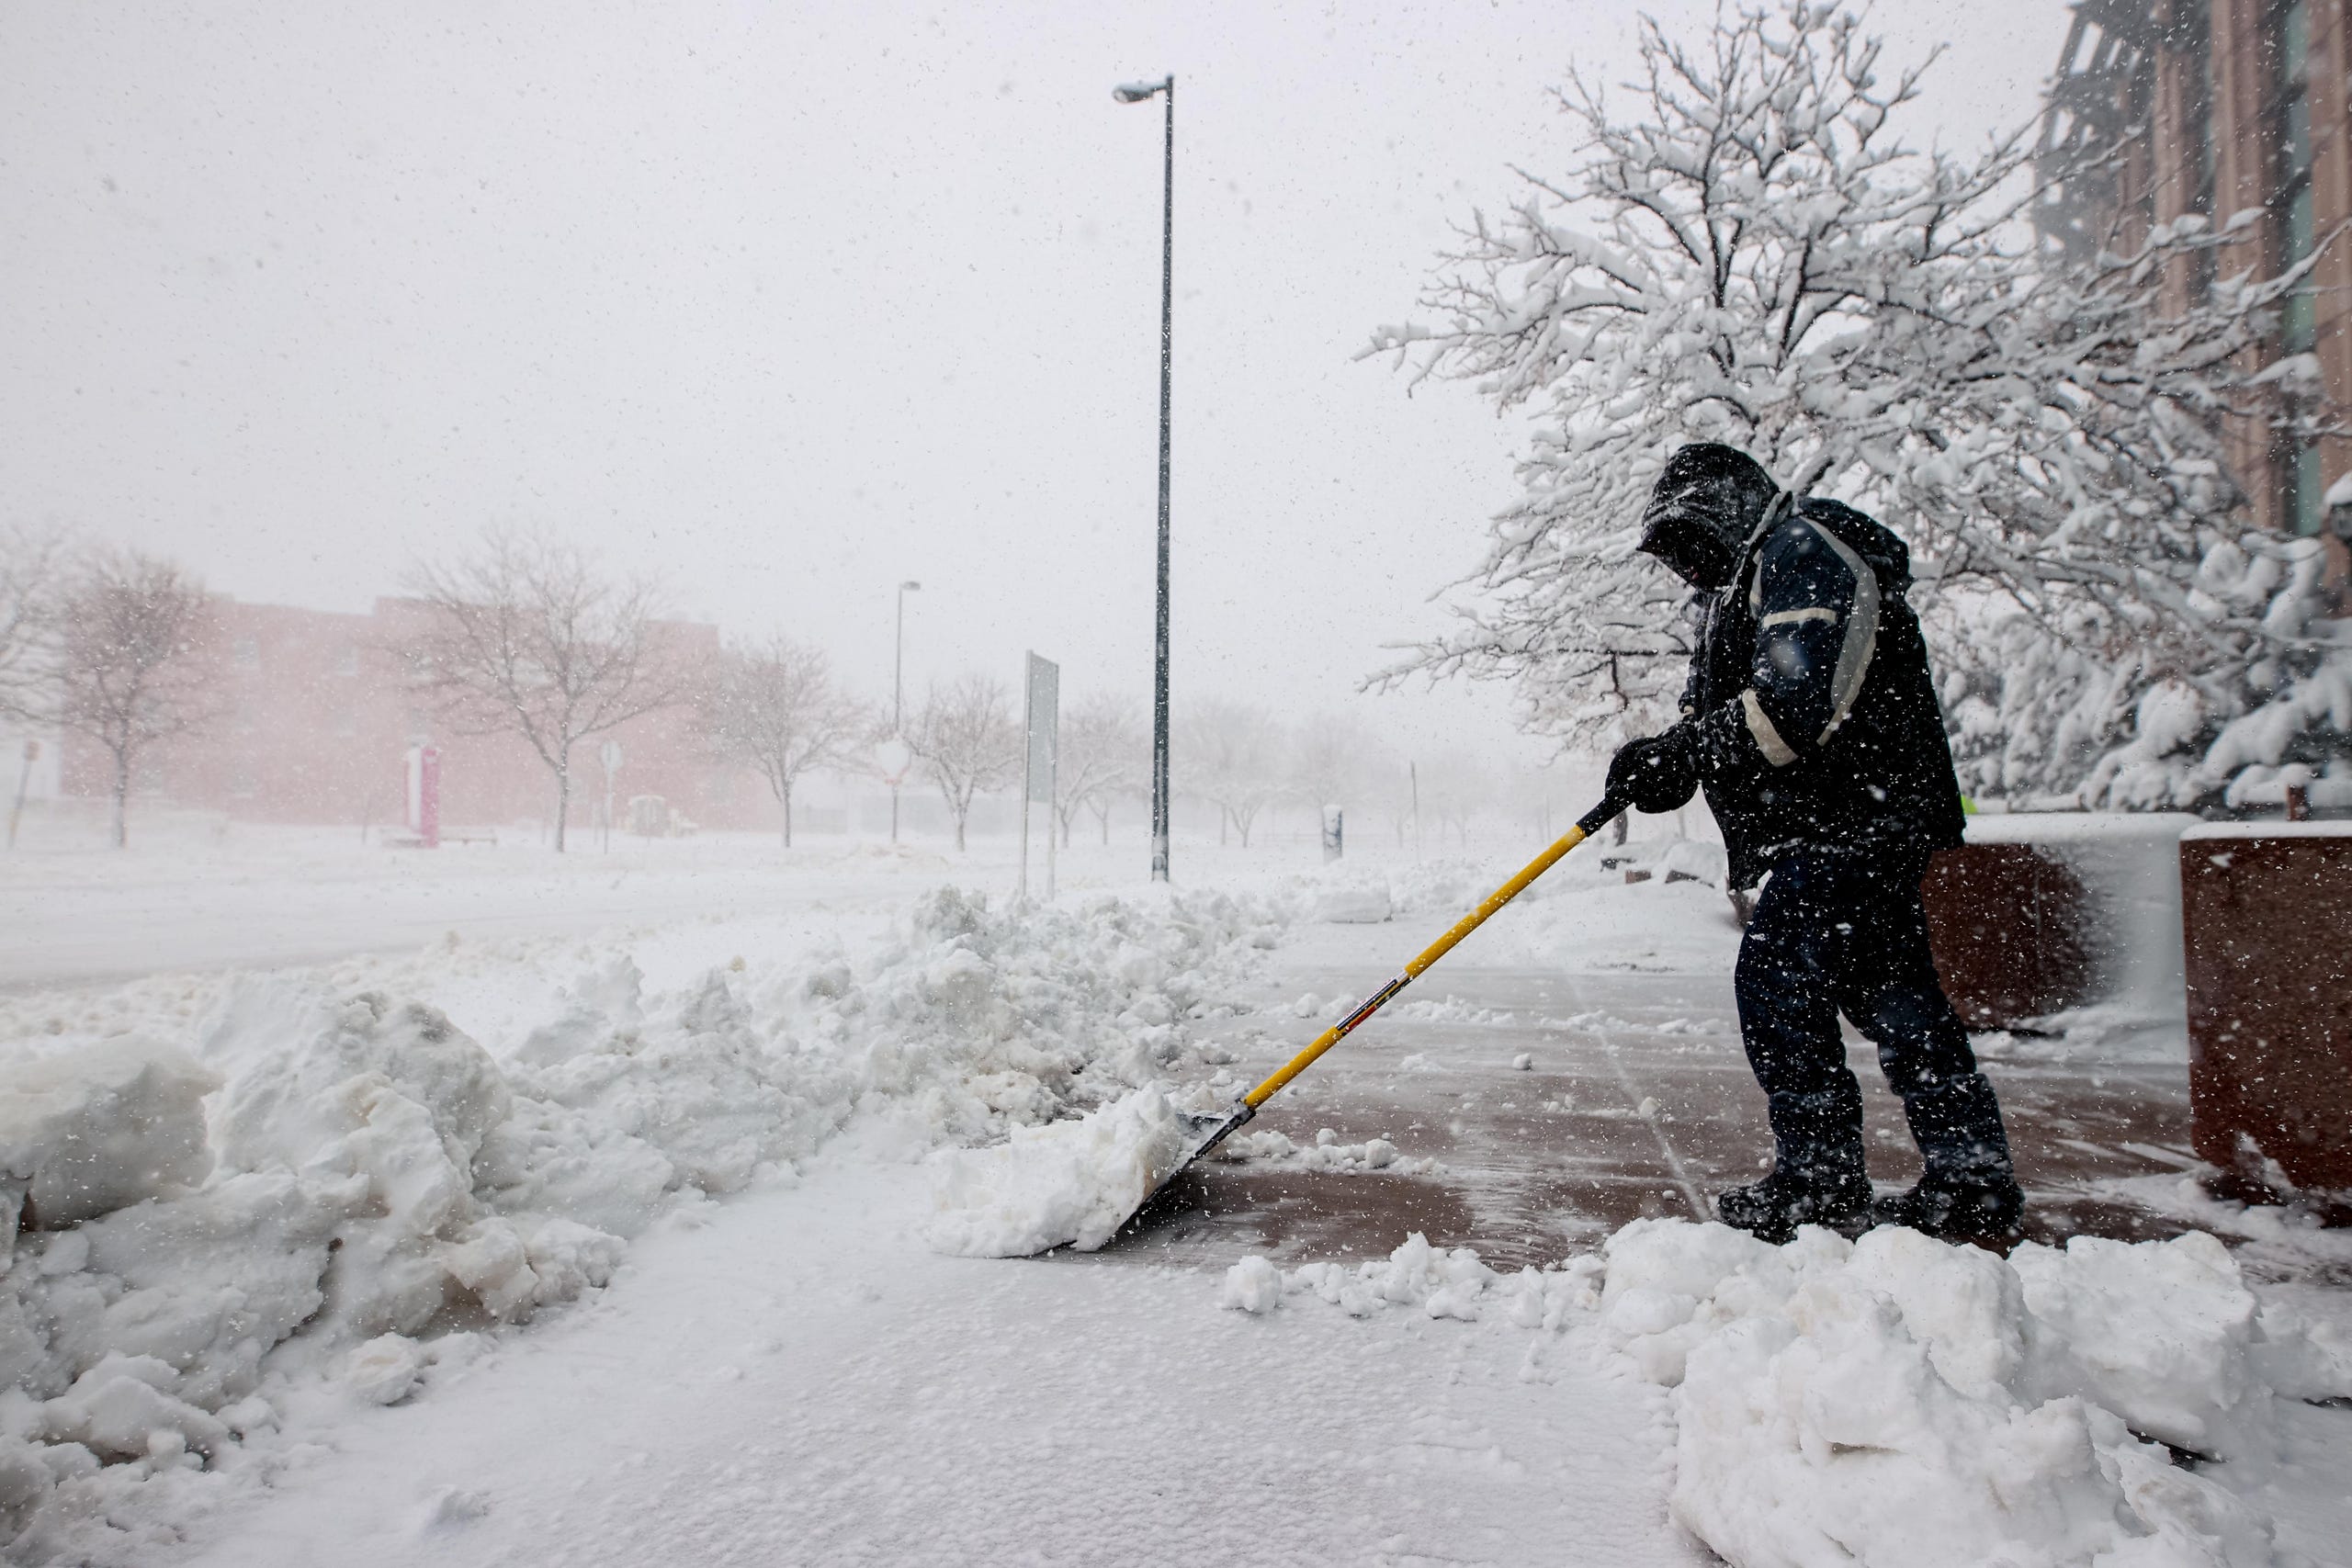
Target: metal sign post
[{"x": 1041, "y": 752}]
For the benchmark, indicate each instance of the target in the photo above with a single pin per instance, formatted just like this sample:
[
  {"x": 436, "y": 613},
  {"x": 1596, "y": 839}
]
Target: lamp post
[
  {"x": 1135, "y": 93},
  {"x": 898, "y": 702}
]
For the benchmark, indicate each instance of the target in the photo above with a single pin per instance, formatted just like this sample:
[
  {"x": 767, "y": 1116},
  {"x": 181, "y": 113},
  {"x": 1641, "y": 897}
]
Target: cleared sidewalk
[{"x": 1637, "y": 1100}]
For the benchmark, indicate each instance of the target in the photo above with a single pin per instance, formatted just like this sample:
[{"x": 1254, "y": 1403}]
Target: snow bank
[
  {"x": 1899, "y": 1402},
  {"x": 369, "y": 1182},
  {"x": 1067, "y": 1183}
]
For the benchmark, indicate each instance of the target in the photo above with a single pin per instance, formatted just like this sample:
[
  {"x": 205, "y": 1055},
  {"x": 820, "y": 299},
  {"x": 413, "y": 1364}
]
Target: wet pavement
[{"x": 1637, "y": 1099}]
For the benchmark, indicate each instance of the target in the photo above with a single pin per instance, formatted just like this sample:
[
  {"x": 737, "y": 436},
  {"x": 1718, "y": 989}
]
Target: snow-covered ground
[{"x": 613, "y": 1235}]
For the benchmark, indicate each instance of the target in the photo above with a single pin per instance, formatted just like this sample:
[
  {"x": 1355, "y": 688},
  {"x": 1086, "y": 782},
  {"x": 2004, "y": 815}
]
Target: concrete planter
[
  {"x": 2049, "y": 913},
  {"x": 2270, "y": 992}
]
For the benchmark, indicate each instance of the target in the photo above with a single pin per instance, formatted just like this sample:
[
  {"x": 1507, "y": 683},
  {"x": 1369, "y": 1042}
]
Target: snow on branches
[{"x": 1750, "y": 255}]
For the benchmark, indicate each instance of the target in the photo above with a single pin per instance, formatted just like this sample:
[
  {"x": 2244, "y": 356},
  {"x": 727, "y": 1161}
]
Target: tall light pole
[
  {"x": 1135, "y": 93},
  {"x": 898, "y": 701}
]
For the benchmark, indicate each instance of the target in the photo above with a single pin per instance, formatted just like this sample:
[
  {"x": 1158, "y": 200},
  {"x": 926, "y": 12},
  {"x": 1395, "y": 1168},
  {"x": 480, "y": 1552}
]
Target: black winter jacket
[{"x": 1816, "y": 715}]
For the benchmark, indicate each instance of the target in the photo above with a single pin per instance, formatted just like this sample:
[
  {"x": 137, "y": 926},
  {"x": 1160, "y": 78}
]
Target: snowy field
[{"x": 485, "y": 1208}]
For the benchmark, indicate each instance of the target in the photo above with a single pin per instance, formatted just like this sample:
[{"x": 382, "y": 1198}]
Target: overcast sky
[{"x": 794, "y": 302}]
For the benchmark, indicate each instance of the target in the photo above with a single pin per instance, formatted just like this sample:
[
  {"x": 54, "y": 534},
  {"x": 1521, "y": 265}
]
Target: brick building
[
  {"x": 2222, "y": 106},
  {"x": 312, "y": 723}
]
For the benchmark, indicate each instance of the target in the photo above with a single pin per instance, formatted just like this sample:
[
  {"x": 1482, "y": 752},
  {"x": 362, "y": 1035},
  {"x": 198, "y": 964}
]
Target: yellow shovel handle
[{"x": 1429, "y": 955}]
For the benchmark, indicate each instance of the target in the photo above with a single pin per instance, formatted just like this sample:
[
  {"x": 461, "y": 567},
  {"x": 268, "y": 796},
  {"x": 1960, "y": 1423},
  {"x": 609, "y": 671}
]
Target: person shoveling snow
[{"x": 1811, "y": 720}]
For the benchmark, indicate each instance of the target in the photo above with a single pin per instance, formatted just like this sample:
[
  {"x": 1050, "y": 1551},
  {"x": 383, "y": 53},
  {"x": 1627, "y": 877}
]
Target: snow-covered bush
[{"x": 1752, "y": 256}]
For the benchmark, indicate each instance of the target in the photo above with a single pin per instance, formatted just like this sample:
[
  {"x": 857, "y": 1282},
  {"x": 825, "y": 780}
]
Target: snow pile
[
  {"x": 1897, "y": 1401},
  {"x": 371, "y": 1180},
  {"x": 1067, "y": 1183}
]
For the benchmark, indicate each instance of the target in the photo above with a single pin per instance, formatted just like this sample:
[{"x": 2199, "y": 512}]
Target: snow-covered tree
[
  {"x": 131, "y": 639},
  {"x": 525, "y": 636},
  {"x": 968, "y": 742},
  {"x": 1102, "y": 755},
  {"x": 775, "y": 705},
  {"x": 1747, "y": 253}
]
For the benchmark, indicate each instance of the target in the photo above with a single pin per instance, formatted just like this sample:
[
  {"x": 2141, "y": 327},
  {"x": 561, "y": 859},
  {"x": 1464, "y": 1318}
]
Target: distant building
[
  {"x": 314, "y": 721},
  {"x": 2224, "y": 107}
]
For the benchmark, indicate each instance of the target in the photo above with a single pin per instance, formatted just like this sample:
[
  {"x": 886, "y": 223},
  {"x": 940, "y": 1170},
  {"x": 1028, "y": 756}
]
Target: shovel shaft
[{"x": 1431, "y": 953}]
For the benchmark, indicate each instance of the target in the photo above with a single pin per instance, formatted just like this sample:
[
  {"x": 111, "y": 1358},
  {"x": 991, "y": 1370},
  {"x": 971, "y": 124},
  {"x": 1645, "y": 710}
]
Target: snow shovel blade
[
  {"x": 1203, "y": 1134},
  {"x": 1213, "y": 1130}
]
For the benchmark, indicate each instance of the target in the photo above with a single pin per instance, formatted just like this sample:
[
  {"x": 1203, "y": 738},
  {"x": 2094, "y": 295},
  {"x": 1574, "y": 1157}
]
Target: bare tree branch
[
  {"x": 775, "y": 707},
  {"x": 968, "y": 741},
  {"x": 132, "y": 665},
  {"x": 526, "y": 638}
]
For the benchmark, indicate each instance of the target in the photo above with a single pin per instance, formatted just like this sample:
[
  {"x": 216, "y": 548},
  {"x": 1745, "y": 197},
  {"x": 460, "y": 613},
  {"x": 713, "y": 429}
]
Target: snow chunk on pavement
[
  {"x": 1065, "y": 1184},
  {"x": 1252, "y": 1285},
  {"x": 88, "y": 1132},
  {"x": 386, "y": 1369}
]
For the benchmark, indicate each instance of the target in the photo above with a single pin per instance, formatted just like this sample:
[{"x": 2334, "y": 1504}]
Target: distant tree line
[{"x": 525, "y": 636}]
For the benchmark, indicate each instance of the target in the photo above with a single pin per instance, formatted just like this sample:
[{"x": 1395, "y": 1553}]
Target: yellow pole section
[{"x": 1429, "y": 955}]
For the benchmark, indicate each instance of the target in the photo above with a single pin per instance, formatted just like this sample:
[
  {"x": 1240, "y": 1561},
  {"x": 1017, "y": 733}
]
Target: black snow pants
[{"x": 1842, "y": 933}]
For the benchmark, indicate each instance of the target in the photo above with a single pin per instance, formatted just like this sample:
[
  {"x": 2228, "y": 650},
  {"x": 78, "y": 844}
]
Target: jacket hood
[{"x": 1705, "y": 510}]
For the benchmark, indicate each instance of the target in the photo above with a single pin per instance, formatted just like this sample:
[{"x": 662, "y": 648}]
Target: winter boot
[
  {"x": 1818, "y": 1177},
  {"x": 1970, "y": 1190}
]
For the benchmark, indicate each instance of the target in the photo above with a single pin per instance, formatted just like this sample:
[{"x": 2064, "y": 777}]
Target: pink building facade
[{"x": 314, "y": 720}]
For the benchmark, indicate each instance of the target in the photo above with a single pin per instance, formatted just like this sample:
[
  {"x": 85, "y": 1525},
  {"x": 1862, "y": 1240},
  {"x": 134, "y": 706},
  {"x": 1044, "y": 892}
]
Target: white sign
[
  {"x": 894, "y": 757},
  {"x": 610, "y": 755},
  {"x": 1042, "y": 728}
]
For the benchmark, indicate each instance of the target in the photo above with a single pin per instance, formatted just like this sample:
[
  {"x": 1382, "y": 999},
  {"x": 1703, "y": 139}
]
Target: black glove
[{"x": 1657, "y": 774}]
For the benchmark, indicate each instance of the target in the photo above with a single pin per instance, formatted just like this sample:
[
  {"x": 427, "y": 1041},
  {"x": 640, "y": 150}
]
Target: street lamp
[
  {"x": 899, "y": 758},
  {"x": 1137, "y": 93}
]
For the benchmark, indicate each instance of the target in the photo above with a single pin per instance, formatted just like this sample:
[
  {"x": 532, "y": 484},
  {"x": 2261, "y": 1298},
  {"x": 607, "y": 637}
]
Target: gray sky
[{"x": 794, "y": 302}]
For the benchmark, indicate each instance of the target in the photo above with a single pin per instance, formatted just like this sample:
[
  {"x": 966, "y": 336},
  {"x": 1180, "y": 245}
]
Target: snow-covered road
[
  {"x": 804, "y": 1382},
  {"x": 76, "y": 920}
]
